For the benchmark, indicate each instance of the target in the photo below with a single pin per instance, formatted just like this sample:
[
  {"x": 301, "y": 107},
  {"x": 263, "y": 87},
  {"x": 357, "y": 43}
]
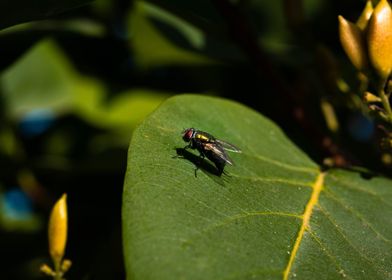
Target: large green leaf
[{"x": 274, "y": 215}]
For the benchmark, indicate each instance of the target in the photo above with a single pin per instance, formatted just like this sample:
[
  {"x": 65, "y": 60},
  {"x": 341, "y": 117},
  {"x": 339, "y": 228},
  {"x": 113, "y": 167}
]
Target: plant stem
[
  {"x": 58, "y": 273},
  {"x": 385, "y": 101}
]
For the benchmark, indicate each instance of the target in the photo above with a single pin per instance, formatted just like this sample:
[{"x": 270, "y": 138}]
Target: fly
[{"x": 209, "y": 146}]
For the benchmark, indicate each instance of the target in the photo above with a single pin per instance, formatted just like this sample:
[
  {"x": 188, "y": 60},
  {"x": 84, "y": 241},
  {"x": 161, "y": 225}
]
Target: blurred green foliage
[
  {"x": 44, "y": 79},
  {"x": 152, "y": 48}
]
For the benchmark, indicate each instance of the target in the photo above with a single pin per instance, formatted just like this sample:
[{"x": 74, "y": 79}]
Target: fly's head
[{"x": 187, "y": 134}]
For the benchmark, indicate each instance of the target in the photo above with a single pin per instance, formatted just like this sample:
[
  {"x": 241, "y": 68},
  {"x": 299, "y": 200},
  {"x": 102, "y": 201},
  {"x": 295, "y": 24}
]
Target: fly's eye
[{"x": 187, "y": 135}]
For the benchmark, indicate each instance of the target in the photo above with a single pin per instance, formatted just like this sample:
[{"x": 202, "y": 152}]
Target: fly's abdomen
[{"x": 218, "y": 161}]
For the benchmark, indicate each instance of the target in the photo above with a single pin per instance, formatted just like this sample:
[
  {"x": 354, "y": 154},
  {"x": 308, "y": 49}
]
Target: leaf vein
[
  {"x": 327, "y": 252},
  {"x": 352, "y": 187},
  {"x": 317, "y": 187},
  {"x": 274, "y": 180},
  {"x": 366, "y": 258},
  {"x": 281, "y": 164},
  {"x": 333, "y": 196},
  {"x": 231, "y": 219}
]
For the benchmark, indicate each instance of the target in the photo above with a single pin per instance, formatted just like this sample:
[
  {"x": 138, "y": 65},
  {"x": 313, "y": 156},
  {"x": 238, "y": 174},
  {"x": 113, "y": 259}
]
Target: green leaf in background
[
  {"x": 274, "y": 215},
  {"x": 152, "y": 49},
  {"x": 42, "y": 78},
  {"x": 18, "y": 11},
  {"x": 45, "y": 79}
]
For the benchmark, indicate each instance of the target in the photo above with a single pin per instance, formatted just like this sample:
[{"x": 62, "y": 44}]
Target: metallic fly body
[{"x": 209, "y": 146}]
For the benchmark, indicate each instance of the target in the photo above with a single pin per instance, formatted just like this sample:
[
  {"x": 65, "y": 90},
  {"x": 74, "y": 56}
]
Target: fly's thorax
[{"x": 204, "y": 137}]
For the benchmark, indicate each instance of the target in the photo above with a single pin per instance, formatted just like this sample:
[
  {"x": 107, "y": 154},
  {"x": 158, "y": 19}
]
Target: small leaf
[
  {"x": 45, "y": 269},
  {"x": 274, "y": 215}
]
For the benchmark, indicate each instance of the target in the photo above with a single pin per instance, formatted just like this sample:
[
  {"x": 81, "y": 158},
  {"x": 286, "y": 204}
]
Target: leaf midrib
[{"x": 317, "y": 187}]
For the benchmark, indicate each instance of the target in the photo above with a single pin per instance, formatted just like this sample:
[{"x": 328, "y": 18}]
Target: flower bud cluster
[
  {"x": 368, "y": 42},
  {"x": 368, "y": 45}
]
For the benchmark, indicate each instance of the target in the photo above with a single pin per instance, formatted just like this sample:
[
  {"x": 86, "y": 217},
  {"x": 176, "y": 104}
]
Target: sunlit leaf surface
[{"x": 274, "y": 215}]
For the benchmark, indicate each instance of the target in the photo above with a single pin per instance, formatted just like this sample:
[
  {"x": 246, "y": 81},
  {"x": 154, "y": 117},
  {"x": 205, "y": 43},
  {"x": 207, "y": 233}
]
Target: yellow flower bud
[
  {"x": 380, "y": 39},
  {"x": 363, "y": 19},
  {"x": 330, "y": 116},
  {"x": 371, "y": 98},
  {"x": 353, "y": 43},
  {"x": 58, "y": 229}
]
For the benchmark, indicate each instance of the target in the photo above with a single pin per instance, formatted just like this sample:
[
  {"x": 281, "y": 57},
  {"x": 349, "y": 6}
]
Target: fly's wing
[
  {"x": 218, "y": 151},
  {"x": 228, "y": 146}
]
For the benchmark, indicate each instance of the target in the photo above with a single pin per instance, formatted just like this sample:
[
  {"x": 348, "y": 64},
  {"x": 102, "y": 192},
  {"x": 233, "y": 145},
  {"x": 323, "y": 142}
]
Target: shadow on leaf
[{"x": 202, "y": 164}]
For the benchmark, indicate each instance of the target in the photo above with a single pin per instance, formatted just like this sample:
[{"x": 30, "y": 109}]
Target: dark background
[{"x": 78, "y": 76}]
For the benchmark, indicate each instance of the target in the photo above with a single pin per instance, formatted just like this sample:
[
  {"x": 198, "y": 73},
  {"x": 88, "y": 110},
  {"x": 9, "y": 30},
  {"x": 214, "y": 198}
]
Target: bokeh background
[{"x": 78, "y": 76}]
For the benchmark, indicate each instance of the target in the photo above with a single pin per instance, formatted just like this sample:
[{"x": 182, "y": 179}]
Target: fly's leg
[{"x": 201, "y": 158}]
